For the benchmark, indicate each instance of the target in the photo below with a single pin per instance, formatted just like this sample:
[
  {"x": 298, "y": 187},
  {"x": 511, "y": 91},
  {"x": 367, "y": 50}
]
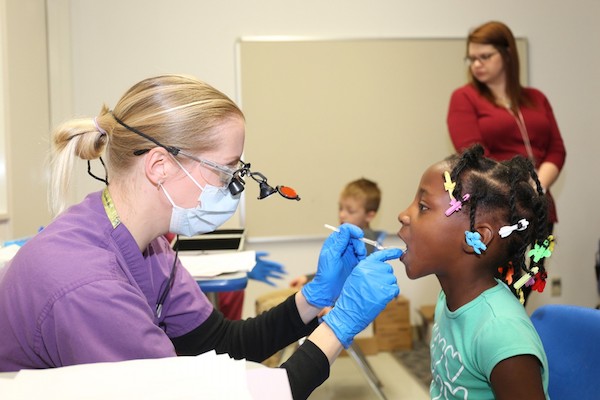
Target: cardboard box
[
  {"x": 392, "y": 327},
  {"x": 368, "y": 345},
  {"x": 400, "y": 338},
  {"x": 398, "y": 308}
]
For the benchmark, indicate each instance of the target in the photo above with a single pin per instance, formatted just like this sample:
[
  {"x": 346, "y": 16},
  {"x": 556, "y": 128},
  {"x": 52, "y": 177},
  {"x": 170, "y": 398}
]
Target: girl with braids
[
  {"x": 101, "y": 283},
  {"x": 502, "y": 115},
  {"x": 471, "y": 215}
]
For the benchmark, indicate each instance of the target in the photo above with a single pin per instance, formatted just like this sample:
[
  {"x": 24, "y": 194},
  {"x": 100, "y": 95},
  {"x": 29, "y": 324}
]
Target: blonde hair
[
  {"x": 175, "y": 110},
  {"x": 364, "y": 190}
]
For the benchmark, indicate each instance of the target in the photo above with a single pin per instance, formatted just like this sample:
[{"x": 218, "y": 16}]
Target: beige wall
[
  {"x": 27, "y": 116},
  {"x": 116, "y": 43},
  {"x": 113, "y": 43}
]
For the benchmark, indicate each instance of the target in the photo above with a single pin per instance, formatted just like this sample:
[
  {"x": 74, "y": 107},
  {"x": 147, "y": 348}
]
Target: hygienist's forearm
[
  {"x": 306, "y": 311},
  {"x": 326, "y": 340}
]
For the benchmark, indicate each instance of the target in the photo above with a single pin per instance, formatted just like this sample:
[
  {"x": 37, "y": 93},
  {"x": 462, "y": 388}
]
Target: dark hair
[
  {"x": 504, "y": 188},
  {"x": 500, "y": 36}
]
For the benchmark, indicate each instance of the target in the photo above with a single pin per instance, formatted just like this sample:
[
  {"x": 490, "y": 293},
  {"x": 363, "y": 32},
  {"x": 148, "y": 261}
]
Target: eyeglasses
[
  {"x": 483, "y": 58},
  {"x": 229, "y": 177},
  {"x": 224, "y": 173}
]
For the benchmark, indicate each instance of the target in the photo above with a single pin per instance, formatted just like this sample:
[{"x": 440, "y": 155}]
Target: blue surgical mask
[{"x": 215, "y": 206}]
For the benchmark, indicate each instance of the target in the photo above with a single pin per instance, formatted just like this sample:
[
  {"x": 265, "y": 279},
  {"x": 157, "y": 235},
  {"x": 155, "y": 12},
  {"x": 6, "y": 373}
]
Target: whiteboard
[{"x": 321, "y": 113}]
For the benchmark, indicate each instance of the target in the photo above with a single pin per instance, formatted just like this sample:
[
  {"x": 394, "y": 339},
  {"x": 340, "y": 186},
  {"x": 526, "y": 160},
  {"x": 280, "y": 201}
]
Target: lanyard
[
  {"x": 109, "y": 208},
  {"x": 523, "y": 129}
]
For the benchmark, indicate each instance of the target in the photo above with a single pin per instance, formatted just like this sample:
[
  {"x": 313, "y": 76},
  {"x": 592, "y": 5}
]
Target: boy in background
[{"x": 358, "y": 205}]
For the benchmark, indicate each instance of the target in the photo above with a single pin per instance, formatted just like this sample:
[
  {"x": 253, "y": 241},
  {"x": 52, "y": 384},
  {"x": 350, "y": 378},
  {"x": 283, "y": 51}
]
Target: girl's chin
[
  {"x": 412, "y": 277},
  {"x": 409, "y": 273}
]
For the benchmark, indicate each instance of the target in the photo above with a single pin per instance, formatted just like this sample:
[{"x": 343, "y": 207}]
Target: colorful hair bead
[
  {"x": 456, "y": 205},
  {"x": 510, "y": 272},
  {"x": 539, "y": 281},
  {"x": 525, "y": 278},
  {"x": 521, "y": 225},
  {"x": 449, "y": 185},
  {"x": 544, "y": 250},
  {"x": 474, "y": 240}
]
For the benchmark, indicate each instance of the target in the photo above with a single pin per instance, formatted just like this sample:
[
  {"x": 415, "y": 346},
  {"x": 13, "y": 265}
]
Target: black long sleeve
[
  {"x": 256, "y": 339},
  {"x": 307, "y": 369}
]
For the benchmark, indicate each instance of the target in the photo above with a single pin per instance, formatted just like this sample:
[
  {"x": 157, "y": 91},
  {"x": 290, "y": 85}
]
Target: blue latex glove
[
  {"x": 264, "y": 269},
  {"x": 340, "y": 253},
  {"x": 369, "y": 288}
]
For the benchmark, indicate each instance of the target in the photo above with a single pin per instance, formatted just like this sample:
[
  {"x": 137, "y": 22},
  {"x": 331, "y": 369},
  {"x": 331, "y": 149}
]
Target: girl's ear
[
  {"x": 486, "y": 231},
  {"x": 156, "y": 165}
]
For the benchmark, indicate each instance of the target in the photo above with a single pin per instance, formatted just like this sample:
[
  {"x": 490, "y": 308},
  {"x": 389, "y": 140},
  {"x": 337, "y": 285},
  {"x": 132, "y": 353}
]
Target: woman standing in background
[{"x": 507, "y": 119}]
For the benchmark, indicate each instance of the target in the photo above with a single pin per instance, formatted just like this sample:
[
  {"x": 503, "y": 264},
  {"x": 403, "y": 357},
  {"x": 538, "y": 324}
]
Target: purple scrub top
[{"x": 81, "y": 291}]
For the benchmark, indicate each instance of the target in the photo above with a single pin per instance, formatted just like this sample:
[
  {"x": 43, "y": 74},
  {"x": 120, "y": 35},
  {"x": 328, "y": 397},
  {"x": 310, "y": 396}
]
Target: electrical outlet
[{"x": 556, "y": 287}]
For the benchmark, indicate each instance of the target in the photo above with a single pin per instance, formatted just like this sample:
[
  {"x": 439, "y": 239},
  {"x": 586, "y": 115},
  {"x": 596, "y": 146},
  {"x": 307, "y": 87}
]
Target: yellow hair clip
[{"x": 449, "y": 185}]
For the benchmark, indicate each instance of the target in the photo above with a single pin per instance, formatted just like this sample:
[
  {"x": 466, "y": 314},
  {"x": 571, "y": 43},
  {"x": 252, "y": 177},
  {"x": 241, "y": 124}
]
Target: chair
[{"x": 571, "y": 339}]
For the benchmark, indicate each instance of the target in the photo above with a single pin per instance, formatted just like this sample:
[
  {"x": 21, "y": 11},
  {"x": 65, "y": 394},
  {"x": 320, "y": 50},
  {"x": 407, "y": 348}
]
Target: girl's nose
[{"x": 403, "y": 218}]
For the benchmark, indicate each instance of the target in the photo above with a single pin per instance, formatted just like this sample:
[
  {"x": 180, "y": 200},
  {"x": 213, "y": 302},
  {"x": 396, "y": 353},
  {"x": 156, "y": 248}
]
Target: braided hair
[{"x": 512, "y": 190}]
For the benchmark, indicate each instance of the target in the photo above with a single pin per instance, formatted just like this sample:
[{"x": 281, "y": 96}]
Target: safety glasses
[
  {"x": 223, "y": 173},
  {"x": 230, "y": 178}
]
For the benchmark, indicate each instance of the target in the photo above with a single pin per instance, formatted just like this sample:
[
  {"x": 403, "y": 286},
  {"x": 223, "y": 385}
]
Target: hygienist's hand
[
  {"x": 369, "y": 288},
  {"x": 265, "y": 269},
  {"x": 340, "y": 253}
]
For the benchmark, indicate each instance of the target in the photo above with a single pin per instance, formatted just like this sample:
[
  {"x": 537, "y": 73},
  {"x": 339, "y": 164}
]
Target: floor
[{"x": 347, "y": 382}]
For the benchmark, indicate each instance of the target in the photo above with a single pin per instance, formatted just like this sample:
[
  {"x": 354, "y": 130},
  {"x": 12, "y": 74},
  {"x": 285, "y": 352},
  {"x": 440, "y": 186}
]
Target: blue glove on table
[
  {"x": 264, "y": 269},
  {"x": 340, "y": 253},
  {"x": 368, "y": 289}
]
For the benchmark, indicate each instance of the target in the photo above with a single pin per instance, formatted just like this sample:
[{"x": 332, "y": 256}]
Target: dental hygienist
[{"x": 100, "y": 282}]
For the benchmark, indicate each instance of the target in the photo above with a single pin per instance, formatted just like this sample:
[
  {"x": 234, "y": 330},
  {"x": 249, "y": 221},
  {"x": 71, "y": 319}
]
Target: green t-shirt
[{"x": 467, "y": 344}]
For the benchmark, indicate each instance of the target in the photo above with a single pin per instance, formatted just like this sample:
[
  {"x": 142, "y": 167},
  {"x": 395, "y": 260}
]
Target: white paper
[
  {"x": 207, "y": 376},
  {"x": 7, "y": 253},
  {"x": 210, "y": 265},
  {"x": 269, "y": 383}
]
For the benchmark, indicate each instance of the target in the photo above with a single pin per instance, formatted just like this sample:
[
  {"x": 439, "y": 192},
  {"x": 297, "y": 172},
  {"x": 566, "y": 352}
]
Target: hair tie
[
  {"x": 543, "y": 250},
  {"x": 473, "y": 239},
  {"x": 521, "y": 225},
  {"x": 456, "y": 205},
  {"x": 527, "y": 276},
  {"x": 98, "y": 128},
  {"x": 449, "y": 185}
]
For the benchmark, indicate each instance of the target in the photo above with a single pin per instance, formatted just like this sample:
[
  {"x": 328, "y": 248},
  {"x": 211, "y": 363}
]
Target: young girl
[
  {"x": 507, "y": 118},
  {"x": 470, "y": 216}
]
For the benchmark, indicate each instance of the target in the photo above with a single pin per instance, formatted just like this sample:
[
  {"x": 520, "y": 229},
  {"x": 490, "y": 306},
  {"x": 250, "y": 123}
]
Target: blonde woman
[{"x": 100, "y": 282}]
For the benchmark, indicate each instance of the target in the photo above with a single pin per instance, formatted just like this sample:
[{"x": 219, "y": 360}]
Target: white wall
[
  {"x": 115, "y": 43},
  {"x": 25, "y": 103}
]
